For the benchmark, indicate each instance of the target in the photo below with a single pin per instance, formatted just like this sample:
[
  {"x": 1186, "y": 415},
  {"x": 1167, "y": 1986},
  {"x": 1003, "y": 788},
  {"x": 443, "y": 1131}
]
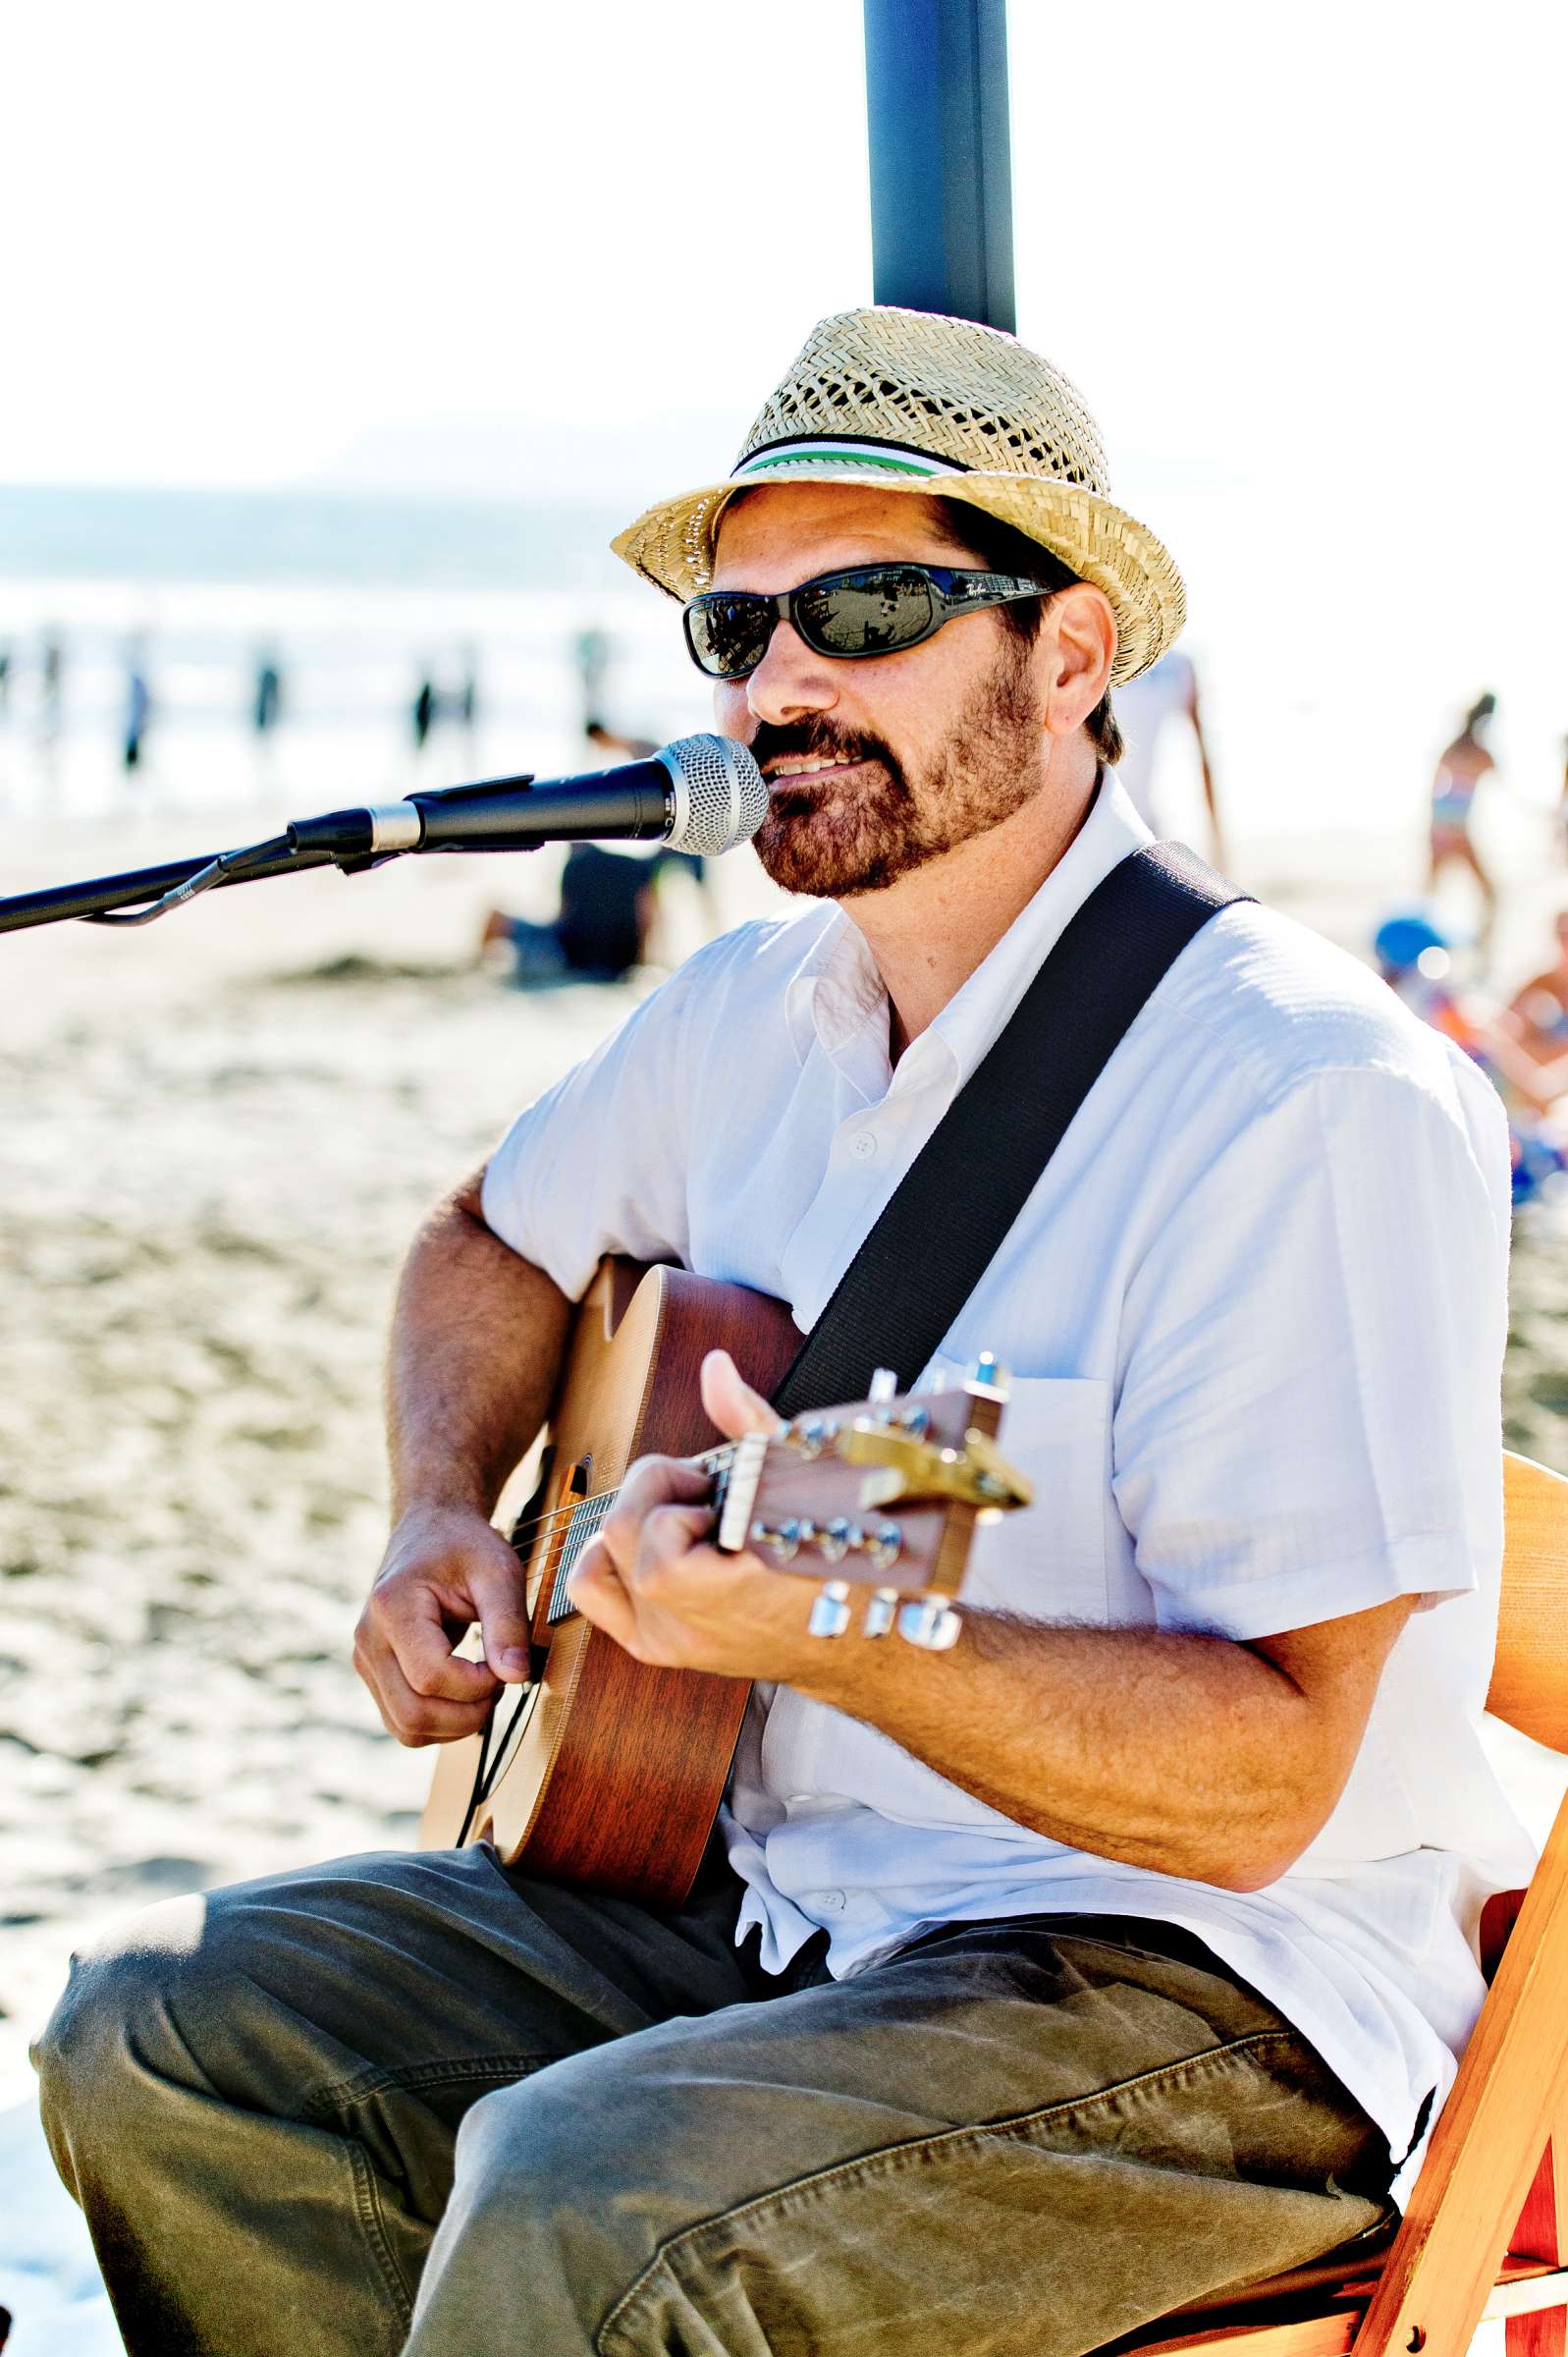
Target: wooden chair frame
[{"x": 1486, "y": 2233}]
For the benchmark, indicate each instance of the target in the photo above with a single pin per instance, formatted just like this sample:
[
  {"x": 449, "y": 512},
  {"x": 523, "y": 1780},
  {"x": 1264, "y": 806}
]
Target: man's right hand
[{"x": 444, "y": 1568}]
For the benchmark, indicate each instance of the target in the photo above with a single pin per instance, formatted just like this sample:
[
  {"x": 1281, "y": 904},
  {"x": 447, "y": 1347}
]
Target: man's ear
[{"x": 1076, "y": 648}]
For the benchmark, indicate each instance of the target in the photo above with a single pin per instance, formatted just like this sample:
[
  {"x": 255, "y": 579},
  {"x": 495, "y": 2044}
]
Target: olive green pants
[{"x": 409, "y": 2102}]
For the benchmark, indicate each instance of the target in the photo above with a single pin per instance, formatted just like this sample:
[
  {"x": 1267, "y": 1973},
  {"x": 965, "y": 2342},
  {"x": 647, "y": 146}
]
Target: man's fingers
[
  {"x": 616, "y": 1594},
  {"x": 416, "y": 1719},
  {"x": 600, "y": 1594},
  {"x": 412, "y": 1624},
  {"x": 652, "y": 1482},
  {"x": 668, "y": 1535},
  {"x": 501, "y": 1608},
  {"x": 732, "y": 1404}
]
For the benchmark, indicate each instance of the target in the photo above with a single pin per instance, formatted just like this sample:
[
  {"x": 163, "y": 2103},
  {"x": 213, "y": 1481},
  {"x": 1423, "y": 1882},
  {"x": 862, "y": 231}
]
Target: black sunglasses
[{"x": 873, "y": 610}]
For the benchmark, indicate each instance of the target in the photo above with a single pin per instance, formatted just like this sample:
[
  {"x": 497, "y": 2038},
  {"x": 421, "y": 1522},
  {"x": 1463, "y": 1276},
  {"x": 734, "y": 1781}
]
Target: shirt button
[
  {"x": 832, "y": 1902},
  {"x": 862, "y": 1145}
]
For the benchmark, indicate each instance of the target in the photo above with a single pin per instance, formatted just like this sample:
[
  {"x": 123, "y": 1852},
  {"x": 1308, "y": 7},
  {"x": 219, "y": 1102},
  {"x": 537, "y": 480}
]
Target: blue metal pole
[{"x": 941, "y": 162}]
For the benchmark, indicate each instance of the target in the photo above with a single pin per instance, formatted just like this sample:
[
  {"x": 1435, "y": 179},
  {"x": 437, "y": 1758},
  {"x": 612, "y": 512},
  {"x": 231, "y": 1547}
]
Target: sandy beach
[{"x": 217, "y": 1136}]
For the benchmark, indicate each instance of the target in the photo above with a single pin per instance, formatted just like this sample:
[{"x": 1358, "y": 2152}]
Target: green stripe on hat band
[{"x": 840, "y": 454}]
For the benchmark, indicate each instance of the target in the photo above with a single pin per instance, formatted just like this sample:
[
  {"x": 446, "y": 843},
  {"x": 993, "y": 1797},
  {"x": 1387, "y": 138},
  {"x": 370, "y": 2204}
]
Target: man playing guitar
[{"x": 1118, "y": 1953}]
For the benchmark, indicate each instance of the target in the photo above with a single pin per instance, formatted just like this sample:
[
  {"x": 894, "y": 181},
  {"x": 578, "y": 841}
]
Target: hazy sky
[{"x": 524, "y": 246}]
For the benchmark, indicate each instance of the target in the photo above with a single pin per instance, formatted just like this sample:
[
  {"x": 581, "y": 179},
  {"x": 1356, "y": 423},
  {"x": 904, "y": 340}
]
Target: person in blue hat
[{"x": 1415, "y": 960}]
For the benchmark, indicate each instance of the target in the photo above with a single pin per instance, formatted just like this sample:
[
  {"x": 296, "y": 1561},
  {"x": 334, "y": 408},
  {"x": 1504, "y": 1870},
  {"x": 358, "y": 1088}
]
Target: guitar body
[{"x": 613, "y": 1772}]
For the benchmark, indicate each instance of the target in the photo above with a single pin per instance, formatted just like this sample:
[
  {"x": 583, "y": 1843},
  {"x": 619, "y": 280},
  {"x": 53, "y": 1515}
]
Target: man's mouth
[{"x": 790, "y": 766}]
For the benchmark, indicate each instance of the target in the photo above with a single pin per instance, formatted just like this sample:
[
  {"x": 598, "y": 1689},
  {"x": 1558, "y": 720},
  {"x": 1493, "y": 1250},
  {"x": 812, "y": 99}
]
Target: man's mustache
[{"x": 819, "y": 741}]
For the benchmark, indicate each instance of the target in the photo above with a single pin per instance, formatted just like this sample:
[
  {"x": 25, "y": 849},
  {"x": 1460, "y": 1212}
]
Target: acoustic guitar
[{"x": 603, "y": 1770}]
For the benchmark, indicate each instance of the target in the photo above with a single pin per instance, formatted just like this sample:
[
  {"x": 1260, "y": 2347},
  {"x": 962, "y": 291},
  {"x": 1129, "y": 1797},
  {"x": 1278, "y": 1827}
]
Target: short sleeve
[
  {"x": 599, "y": 1163},
  {"x": 1307, "y": 1420}
]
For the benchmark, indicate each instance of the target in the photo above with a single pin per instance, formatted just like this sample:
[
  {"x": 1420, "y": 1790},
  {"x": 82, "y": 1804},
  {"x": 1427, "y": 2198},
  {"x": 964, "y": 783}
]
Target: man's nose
[{"x": 791, "y": 679}]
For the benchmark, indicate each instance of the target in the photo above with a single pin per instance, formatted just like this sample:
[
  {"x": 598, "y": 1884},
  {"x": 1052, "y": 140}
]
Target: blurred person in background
[
  {"x": 266, "y": 704},
  {"x": 591, "y": 651},
  {"x": 51, "y": 689},
  {"x": 1415, "y": 960},
  {"x": 1146, "y": 709},
  {"x": 137, "y": 707},
  {"x": 466, "y": 701},
  {"x": 607, "y": 741},
  {"x": 423, "y": 712},
  {"x": 609, "y": 899},
  {"x": 1460, "y": 770},
  {"x": 5, "y": 680},
  {"x": 600, "y": 930},
  {"x": 1537, "y": 1016},
  {"x": 612, "y": 743}
]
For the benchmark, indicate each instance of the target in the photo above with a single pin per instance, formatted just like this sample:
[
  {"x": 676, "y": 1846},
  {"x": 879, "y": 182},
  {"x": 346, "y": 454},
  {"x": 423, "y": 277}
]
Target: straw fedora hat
[{"x": 908, "y": 401}]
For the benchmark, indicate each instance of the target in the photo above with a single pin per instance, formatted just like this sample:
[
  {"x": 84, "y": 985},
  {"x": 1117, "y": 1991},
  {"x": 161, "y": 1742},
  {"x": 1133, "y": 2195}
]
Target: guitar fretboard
[
  {"x": 587, "y": 1520},
  {"x": 584, "y": 1526}
]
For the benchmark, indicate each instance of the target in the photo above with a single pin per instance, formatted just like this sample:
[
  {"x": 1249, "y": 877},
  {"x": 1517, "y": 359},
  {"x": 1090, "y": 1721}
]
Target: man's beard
[{"x": 834, "y": 840}]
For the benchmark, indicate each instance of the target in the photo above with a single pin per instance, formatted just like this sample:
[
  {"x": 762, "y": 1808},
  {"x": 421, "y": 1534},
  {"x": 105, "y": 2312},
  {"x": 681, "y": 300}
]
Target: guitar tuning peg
[
  {"x": 785, "y": 1539},
  {"x": 836, "y": 1538},
  {"x": 881, "y": 1544},
  {"x": 829, "y": 1612},
  {"x": 931, "y": 1624},
  {"x": 988, "y": 1375},
  {"x": 884, "y": 1387},
  {"x": 882, "y": 1607}
]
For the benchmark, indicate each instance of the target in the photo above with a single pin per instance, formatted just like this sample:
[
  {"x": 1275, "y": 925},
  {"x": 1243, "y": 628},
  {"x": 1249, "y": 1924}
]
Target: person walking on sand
[
  {"x": 139, "y": 709},
  {"x": 1137, "y": 1926},
  {"x": 1460, "y": 770},
  {"x": 266, "y": 703},
  {"x": 423, "y": 712}
]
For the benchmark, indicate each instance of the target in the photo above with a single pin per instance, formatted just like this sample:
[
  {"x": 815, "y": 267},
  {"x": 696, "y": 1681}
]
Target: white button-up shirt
[{"x": 1254, "y": 1312}]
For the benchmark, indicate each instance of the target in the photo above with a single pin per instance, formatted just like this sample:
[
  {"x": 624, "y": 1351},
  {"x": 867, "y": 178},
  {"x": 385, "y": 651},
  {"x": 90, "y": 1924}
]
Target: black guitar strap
[{"x": 900, "y": 1295}]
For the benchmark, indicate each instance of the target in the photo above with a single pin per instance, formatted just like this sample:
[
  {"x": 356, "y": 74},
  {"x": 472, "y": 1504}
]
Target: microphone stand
[{"x": 176, "y": 881}]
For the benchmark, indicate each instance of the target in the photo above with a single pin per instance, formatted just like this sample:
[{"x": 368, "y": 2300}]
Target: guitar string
[
  {"x": 715, "y": 1460},
  {"x": 525, "y": 1538},
  {"x": 494, "y": 1741}
]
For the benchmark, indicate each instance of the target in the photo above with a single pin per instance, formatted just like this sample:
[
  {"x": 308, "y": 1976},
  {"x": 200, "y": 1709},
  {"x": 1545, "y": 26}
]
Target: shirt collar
[
  {"x": 975, "y": 1013},
  {"x": 836, "y": 992}
]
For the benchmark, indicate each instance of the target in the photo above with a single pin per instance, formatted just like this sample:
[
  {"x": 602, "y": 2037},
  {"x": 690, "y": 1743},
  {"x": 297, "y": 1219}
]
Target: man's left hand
[{"x": 652, "y": 1579}]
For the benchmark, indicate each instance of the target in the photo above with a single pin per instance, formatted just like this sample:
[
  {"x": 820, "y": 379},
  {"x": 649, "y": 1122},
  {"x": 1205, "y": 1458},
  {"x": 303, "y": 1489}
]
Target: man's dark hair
[{"x": 997, "y": 547}]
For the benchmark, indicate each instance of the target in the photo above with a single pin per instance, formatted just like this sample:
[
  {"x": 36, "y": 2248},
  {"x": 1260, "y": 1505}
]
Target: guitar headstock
[{"x": 882, "y": 1494}]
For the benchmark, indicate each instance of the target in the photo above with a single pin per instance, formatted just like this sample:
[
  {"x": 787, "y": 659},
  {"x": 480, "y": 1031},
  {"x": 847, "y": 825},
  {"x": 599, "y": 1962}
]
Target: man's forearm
[
  {"x": 477, "y": 1337},
  {"x": 1187, "y": 1754}
]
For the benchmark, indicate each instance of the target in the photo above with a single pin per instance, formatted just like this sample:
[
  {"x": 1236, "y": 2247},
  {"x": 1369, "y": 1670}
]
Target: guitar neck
[{"x": 586, "y": 1518}]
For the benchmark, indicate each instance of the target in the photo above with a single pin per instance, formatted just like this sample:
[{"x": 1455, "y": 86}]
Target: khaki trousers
[{"x": 409, "y": 2102}]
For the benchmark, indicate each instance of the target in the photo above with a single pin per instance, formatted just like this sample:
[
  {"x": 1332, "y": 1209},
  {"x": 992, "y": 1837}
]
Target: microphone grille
[{"x": 721, "y": 795}]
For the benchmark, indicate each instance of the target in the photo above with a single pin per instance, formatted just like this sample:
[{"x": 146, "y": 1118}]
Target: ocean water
[
  {"x": 1326, "y": 709},
  {"x": 355, "y": 601}
]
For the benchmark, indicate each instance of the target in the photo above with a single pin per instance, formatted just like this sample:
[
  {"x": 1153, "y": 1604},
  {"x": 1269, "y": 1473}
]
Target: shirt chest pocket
[{"x": 1048, "y": 1560}]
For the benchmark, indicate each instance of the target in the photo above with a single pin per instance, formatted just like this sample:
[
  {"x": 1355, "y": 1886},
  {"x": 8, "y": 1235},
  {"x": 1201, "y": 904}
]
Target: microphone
[{"x": 702, "y": 795}]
